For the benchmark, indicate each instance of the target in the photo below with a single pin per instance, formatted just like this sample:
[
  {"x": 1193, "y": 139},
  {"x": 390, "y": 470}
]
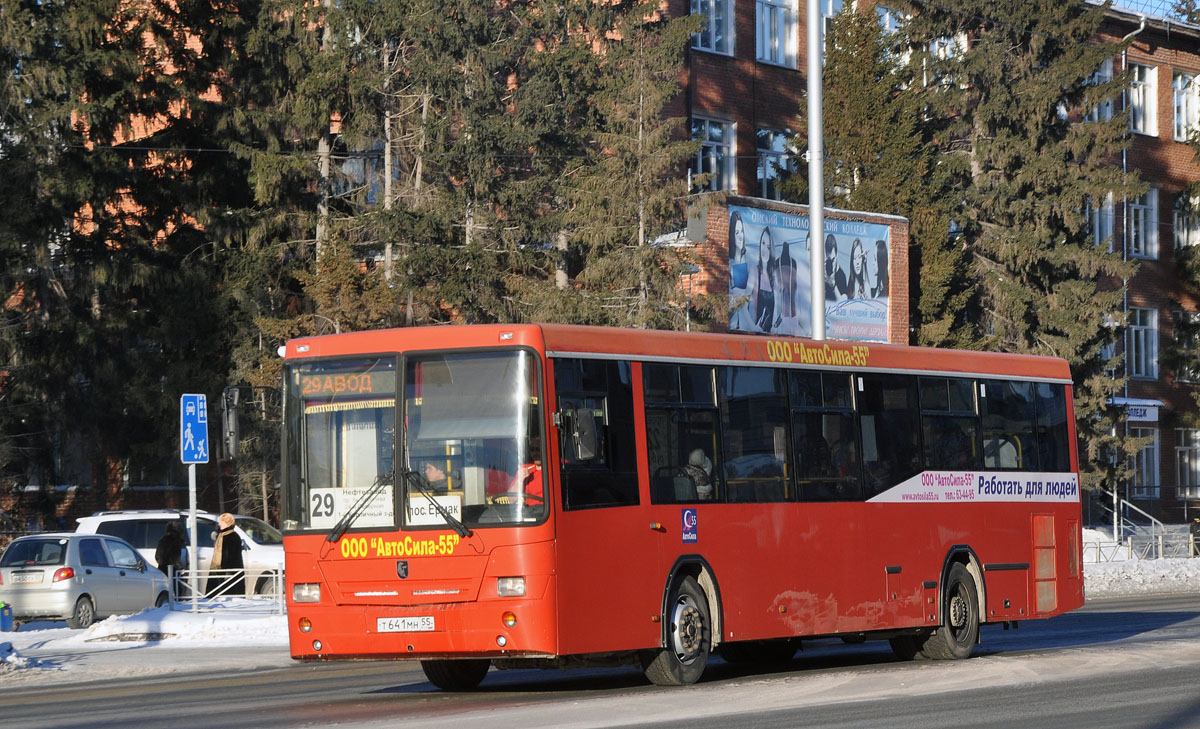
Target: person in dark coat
[
  {"x": 227, "y": 555},
  {"x": 169, "y": 552}
]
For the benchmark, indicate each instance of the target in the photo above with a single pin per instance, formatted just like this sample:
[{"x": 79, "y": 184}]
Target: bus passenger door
[{"x": 607, "y": 591}]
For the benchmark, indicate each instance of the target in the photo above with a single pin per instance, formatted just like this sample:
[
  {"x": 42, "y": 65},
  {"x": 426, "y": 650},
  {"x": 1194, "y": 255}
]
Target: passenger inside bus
[
  {"x": 436, "y": 477},
  {"x": 695, "y": 478}
]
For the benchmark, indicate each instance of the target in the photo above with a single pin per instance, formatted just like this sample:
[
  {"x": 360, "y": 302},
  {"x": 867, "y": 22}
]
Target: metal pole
[
  {"x": 194, "y": 553},
  {"x": 816, "y": 172}
]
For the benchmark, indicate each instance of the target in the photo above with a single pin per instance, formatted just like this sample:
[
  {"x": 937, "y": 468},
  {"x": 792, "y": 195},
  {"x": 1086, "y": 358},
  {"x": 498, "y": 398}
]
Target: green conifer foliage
[
  {"x": 1013, "y": 76},
  {"x": 882, "y": 155}
]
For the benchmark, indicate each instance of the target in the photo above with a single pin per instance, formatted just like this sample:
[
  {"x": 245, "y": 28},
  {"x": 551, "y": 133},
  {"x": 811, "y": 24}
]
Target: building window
[
  {"x": 1143, "y": 343},
  {"x": 715, "y": 157},
  {"x": 717, "y": 35},
  {"x": 1142, "y": 99},
  {"x": 1100, "y": 110},
  {"x": 774, "y": 162},
  {"x": 1187, "y": 463},
  {"x": 1187, "y": 221},
  {"x": 1145, "y": 465},
  {"x": 1108, "y": 350},
  {"x": 1143, "y": 225},
  {"x": 943, "y": 51},
  {"x": 1100, "y": 222},
  {"x": 1187, "y": 346},
  {"x": 777, "y": 32},
  {"x": 1187, "y": 105},
  {"x": 889, "y": 18}
]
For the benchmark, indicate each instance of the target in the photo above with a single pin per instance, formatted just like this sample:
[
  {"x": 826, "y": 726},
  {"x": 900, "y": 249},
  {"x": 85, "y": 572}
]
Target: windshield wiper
[
  {"x": 418, "y": 480},
  {"x": 357, "y": 508}
]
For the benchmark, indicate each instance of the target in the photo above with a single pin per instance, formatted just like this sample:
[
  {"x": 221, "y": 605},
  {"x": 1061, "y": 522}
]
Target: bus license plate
[
  {"x": 420, "y": 624},
  {"x": 27, "y": 578}
]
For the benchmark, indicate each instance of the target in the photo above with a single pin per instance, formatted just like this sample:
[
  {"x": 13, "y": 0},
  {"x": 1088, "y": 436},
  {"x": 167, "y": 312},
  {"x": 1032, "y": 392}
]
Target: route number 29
[{"x": 322, "y": 505}]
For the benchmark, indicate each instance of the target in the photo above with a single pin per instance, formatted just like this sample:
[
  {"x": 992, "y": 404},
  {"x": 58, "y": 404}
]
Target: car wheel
[
  {"x": 83, "y": 615},
  {"x": 163, "y": 599}
]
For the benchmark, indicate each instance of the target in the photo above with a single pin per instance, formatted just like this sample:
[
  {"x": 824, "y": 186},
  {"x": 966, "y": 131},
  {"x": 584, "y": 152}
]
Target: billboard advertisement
[{"x": 769, "y": 281}]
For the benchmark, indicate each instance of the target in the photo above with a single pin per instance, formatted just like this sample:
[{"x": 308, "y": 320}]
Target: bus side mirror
[{"x": 583, "y": 434}]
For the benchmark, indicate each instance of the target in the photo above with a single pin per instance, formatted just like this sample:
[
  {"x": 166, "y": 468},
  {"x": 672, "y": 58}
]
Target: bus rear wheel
[
  {"x": 463, "y": 675},
  {"x": 689, "y": 637},
  {"x": 959, "y": 631}
]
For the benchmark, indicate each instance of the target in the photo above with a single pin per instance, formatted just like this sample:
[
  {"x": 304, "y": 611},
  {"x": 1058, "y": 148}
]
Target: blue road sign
[{"x": 193, "y": 429}]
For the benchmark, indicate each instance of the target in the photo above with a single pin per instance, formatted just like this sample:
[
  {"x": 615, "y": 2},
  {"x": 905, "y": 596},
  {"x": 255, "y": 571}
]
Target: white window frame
[
  {"x": 1141, "y": 215},
  {"x": 717, "y": 36},
  {"x": 1100, "y": 221},
  {"x": 1109, "y": 351},
  {"x": 716, "y": 153},
  {"x": 945, "y": 48},
  {"x": 777, "y": 32},
  {"x": 777, "y": 156},
  {"x": 1187, "y": 463},
  {"x": 1185, "y": 88},
  {"x": 1143, "y": 99},
  {"x": 1144, "y": 484},
  {"x": 1142, "y": 343},
  {"x": 1186, "y": 223},
  {"x": 890, "y": 19},
  {"x": 1100, "y": 111}
]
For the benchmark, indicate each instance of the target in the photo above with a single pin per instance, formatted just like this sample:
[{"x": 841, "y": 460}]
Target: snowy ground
[{"x": 241, "y": 634}]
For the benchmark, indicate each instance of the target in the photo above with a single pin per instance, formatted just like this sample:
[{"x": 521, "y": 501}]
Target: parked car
[
  {"x": 262, "y": 544},
  {"x": 77, "y": 578}
]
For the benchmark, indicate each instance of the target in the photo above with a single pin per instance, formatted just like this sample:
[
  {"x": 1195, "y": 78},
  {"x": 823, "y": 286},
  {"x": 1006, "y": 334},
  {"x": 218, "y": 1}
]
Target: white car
[{"x": 262, "y": 544}]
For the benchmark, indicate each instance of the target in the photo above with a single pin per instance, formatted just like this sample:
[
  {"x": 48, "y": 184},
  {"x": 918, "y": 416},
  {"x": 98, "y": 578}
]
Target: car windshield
[
  {"x": 258, "y": 530},
  {"x": 472, "y": 449},
  {"x": 35, "y": 552}
]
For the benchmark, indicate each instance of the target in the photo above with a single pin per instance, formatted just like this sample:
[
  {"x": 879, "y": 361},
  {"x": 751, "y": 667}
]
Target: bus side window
[
  {"x": 949, "y": 424},
  {"x": 889, "y": 426},
  {"x": 681, "y": 434},
  {"x": 824, "y": 445},
  {"x": 1053, "y": 449},
  {"x": 602, "y": 392},
  {"x": 1008, "y": 425},
  {"x": 754, "y": 418}
]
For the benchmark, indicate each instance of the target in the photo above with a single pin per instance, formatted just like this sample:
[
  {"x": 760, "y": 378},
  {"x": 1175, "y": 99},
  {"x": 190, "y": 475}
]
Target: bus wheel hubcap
[
  {"x": 958, "y": 612},
  {"x": 689, "y": 629}
]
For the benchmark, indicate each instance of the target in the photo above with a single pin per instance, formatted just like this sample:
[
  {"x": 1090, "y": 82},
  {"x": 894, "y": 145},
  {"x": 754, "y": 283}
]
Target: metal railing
[
  {"x": 214, "y": 585},
  {"x": 1161, "y": 547}
]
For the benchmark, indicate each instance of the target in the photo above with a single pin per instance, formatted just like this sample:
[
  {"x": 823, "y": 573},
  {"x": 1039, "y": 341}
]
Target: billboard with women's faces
[{"x": 769, "y": 281}]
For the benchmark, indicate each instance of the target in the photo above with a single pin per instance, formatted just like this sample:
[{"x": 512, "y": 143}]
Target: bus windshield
[
  {"x": 470, "y": 426},
  {"x": 473, "y": 439}
]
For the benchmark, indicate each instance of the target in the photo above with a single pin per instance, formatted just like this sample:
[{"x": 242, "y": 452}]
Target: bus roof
[{"x": 698, "y": 347}]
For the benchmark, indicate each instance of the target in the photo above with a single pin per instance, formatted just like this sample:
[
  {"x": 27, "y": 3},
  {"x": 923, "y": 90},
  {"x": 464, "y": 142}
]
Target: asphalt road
[{"x": 1127, "y": 664}]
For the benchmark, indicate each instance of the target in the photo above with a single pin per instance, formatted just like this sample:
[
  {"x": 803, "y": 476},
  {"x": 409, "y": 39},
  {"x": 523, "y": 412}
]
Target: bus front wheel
[
  {"x": 463, "y": 675},
  {"x": 689, "y": 637},
  {"x": 959, "y": 631}
]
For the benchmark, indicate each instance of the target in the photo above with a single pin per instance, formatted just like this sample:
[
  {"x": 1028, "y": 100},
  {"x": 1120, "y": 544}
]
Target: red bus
[{"x": 545, "y": 495}]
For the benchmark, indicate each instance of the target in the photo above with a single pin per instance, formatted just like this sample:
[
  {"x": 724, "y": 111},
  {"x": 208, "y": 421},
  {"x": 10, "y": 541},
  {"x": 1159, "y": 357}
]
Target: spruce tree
[
  {"x": 1014, "y": 76},
  {"x": 105, "y": 270},
  {"x": 629, "y": 190},
  {"x": 881, "y": 155}
]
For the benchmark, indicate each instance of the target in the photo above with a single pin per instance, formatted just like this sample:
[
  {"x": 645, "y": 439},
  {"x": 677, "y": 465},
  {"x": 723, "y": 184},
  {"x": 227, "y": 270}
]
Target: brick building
[
  {"x": 1164, "y": 102},
  {"x": 745, "y": 89}
]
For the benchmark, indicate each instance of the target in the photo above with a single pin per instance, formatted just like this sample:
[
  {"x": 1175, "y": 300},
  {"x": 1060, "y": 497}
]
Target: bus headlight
[
  {"x": 510, "y": 586},
  {"x": 306, "y": 592}
]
